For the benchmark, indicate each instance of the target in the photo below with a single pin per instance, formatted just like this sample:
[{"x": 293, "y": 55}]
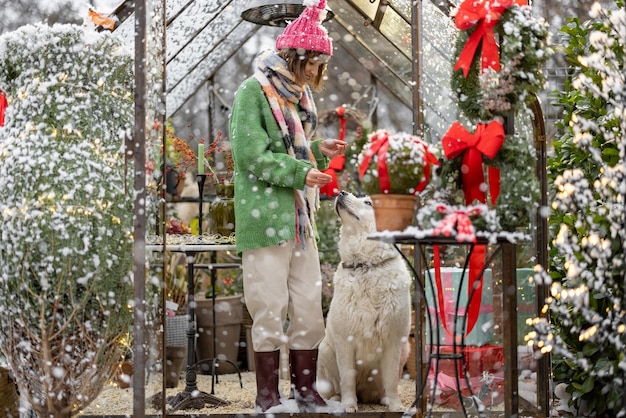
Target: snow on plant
[
  {"x": 397, "y": 163},
  {"x": 65, "y": 212},
  {"x": 587, "y": 335}
]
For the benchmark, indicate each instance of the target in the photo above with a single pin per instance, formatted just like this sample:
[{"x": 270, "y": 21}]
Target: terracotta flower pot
[{"x": 394, "y": 212}]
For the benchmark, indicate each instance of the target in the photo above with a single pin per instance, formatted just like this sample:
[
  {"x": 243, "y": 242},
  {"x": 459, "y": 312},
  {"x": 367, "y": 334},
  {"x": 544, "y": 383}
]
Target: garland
[{"x": 484, "y": 91}]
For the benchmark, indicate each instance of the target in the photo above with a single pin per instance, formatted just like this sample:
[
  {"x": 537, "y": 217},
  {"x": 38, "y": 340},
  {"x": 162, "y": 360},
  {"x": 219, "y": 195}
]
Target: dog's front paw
[
  {"x": 350, "y": 407},
  {"x": 394, "y": 405}
]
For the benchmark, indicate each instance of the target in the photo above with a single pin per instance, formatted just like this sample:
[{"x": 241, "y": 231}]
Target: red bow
[
  {"x": 457, "y": 222},
  {"x": 3, "y": 106},
  {"x": 379, "y": 146},
  {"x": 487, "y": 140},
  {"x": 484, "y": 15}
]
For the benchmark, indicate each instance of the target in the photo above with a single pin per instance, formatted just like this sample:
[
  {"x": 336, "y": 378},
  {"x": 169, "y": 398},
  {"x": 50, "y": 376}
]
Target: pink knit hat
[{"x": 307, "y": 32}]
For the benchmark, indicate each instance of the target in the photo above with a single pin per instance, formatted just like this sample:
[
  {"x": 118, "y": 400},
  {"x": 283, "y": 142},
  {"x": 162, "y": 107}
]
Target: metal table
[
  {"x": 422, "y": 244},
  {"x": 191, "y": 397}
]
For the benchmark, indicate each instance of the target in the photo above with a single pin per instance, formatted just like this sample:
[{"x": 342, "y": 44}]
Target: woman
[{"x": 277, "y": 181}]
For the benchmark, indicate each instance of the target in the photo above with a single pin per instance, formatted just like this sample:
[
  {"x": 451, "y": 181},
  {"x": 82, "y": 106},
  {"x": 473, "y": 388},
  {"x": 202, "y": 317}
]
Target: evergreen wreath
[{"x": 524, "y": 50}]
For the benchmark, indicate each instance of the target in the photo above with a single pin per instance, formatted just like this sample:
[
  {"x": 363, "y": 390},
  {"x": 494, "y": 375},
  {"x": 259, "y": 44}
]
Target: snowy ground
[{"x": 116, "y": 401}]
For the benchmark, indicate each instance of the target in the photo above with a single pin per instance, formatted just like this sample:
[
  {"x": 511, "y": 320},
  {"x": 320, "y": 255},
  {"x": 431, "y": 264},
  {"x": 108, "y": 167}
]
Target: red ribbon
[
  {"x": 458, "y": 221},
  {"x": 3, "y": 105},
  {"x": 379, "y": 146},
  {"x": 476, "y": 274},
  {"x": 483, "y": 15},
  {"x": 336, "y": 164},
  {"x": 486, "y": 141}
]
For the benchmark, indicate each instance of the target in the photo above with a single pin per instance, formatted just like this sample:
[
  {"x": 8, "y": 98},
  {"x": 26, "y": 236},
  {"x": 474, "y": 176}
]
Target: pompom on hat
[{"x": 307, "y": 32}]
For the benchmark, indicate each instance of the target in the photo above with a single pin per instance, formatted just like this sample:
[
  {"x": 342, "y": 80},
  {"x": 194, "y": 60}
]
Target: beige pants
[{"x": 280, "y": 281}]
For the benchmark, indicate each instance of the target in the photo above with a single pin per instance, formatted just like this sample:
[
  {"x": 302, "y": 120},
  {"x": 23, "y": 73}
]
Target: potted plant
[{"x": 393, "y": 170}]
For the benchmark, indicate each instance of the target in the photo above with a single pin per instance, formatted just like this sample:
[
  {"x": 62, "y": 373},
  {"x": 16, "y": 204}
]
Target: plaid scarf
[{"x": 283, "y": 94}]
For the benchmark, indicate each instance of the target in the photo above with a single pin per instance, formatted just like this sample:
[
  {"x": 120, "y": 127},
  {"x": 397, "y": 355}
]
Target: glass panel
[
  {"x": 375, "y": 42},
  {"x": 438, "y": 40},
  {"x": 179, "y": 93},
  {"x": 490, "y": 340},
  {"x": 403, "y": 7},
  {"x": 196, "y": 18},
  {"x": 397, "y": 30},
  {"x": 400, "y": 86},
  {"x": 199, "y": 47},
  {"x": 368, "y": 7},
  {"x": 154, "y": 309}
]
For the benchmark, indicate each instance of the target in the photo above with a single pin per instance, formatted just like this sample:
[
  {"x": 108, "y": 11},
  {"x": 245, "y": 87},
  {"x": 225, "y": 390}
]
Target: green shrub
[
  {"x": 66, "y": 212},
  {"x": 586, "y": 270}
]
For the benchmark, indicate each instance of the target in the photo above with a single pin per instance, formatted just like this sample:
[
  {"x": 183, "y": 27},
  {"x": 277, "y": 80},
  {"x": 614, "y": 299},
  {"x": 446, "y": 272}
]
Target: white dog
[{"x": 369, "y": 319}]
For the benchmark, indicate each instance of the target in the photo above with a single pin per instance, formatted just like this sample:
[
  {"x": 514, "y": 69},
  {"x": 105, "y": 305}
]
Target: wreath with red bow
[
  {"x": 517, "y": 185},
  {"x": 492, "y": 79}
]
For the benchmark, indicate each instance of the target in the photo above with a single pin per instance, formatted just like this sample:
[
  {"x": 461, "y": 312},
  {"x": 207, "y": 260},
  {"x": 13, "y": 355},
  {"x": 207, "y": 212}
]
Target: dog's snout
[{"x": 340, "y": 196}]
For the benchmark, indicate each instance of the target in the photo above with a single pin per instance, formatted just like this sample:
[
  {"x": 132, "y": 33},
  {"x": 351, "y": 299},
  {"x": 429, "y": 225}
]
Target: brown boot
[
  {"x": 303, "y": 365},
  {"x": 266, "y": 365}
]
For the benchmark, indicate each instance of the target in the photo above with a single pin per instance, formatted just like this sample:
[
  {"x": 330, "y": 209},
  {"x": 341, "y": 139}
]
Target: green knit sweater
[{"x": 265, "y": 175}]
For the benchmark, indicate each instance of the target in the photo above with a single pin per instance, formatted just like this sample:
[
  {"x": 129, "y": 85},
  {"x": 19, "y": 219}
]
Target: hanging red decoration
[
  {"x": 3, "y": 106},
  {"x": 483, "y": 15},
  {"x": 336, "y": 164},
  {"x": 486, "y": 140}
]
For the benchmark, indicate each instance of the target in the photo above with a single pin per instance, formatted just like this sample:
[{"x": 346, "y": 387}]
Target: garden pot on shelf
[
  {"x": 394, "y": 212},
  {"x": 228, "y": 318},
  {"x": 223, "y": 209},
  {"x": 175, "y": 348}
]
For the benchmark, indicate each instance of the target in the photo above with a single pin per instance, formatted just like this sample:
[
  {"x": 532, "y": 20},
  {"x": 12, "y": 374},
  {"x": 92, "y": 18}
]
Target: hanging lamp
[{"x": 276, "y": 12}]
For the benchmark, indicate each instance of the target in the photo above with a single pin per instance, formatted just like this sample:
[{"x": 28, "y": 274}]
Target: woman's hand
[
  {"x": 333, "y": 147},
  {"x": 316, "y": 178}
]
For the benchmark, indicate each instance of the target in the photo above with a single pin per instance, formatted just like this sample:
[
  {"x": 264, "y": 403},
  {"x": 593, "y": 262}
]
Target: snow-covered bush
[
  {"x": 587, "y": 335},
  {"x": 65, "y": 212}
]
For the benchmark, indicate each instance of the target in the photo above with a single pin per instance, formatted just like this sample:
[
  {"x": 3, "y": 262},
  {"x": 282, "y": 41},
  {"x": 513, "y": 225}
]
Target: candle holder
[{"x": 200, "y": 179}]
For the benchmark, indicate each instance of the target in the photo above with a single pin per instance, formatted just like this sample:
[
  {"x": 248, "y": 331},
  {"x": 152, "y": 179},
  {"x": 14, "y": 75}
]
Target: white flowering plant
[{"x": 65, "y": 212}]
